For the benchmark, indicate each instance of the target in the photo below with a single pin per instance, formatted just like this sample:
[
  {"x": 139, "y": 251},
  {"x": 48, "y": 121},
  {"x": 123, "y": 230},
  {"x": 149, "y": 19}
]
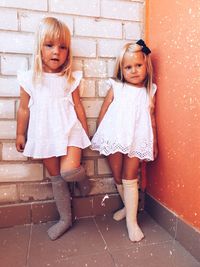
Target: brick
[
  {"x": 9, "y": 216},
  {"x": 13, "y": 42},
  {"x": 98, "y": 28},
  {"x": 92, "y": 127},
  {"x": 109, "y": 48},
  {"x": 11, "y": 64},
  {"x": 103, "y": 167},
  {"x": 121, "y": 10},
  {"x": 8, "y": 193},
  {"x": 88, "y": 88},
  {"x": 9, "y": 87},
  {"x": 77, "y": 64},
  {"x": 35, "y": 191},
  {"x": 9, "y": 152},
  {"x": 102, "y": 186},
  {"x": 111, "y": 67},
  {"x": 76, "y": 7},
  {"x": 92, "y": 108},
  {"x": 8, "y": 129},
  {"x": 29, "y": 21},
  {"x": 21, "y": 172},
  {"x": 133, "y": 30},
  {"x": 33, "y": 5},
  {"x": 95, "y": 68},
  {"x": 44, "y": 211},
  {"x": 89, "y": 167},
  {"x": 7, "y": 109},
  {"x": 8, "y": 19},
  {"x": 90, "y": 153},
  {"x": 84, "y": 48},
  {"x": 103, "y": 87}
]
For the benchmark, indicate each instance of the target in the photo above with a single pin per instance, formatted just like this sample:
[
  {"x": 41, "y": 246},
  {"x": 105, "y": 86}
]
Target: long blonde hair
[
  {"x": 52, "y": 29},
  {"x": 134, "y": 48}
]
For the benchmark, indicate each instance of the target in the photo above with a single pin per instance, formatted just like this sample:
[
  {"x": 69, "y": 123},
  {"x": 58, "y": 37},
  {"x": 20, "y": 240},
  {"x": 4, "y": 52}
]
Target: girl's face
[
  {"x": 54, "y": 55},
  {"x": 134, "y": 68}
]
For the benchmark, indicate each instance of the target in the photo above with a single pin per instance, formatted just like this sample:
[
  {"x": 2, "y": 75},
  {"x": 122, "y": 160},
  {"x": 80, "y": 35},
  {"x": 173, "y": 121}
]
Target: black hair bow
[{"x": 145, "y": 49}]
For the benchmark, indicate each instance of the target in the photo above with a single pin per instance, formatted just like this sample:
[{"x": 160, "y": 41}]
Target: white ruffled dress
[
  {"x": 53, "y": 123},
  {"x": 126, "y": 126}
]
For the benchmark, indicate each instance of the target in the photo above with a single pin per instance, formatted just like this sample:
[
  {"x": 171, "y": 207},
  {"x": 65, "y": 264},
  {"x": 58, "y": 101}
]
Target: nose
[
  {"x": 56, "y": 49},
  {"x": 133, "y": 69}
]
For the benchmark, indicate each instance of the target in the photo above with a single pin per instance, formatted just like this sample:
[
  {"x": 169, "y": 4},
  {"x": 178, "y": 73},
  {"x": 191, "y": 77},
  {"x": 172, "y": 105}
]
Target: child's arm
[
  {"x": 22, "y": 120},
  {"x": 107, "y": 101},
  {"x": 153, "y": 123},
  {"x": 80, "y": 112}
]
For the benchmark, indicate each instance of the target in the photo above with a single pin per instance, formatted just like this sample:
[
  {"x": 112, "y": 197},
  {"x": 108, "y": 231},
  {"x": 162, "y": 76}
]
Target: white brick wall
[
  {"x": 76, "y": 7},
  {"x": 8, "y": 19},
  {"x": 99, "y": 28}
]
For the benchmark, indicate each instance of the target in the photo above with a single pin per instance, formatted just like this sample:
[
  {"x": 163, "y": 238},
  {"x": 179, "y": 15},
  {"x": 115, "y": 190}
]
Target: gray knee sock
[
  {"x": 63, "y": 203},
  {"x": 74, "y": 175},
  {"x": 78, "y": 175}
]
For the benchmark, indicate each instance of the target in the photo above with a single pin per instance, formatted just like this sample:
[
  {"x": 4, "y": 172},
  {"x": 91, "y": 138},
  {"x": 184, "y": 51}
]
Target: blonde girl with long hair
[
  {"x": 51, "y": 121},
  {"x": 126, "y": 131}
]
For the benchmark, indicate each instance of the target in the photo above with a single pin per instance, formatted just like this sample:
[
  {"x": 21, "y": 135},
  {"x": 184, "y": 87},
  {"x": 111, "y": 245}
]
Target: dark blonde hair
[
  {"x": 52, "y": 29},
  {"x": 134, "y": 48}
]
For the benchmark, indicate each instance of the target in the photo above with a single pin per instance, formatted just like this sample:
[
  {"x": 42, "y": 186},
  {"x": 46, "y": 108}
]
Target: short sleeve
[
  {"x": 154, "y": 89},
  {"x": 110, "y": 82},
  {"x": 77, "y": 76},
  {"x": 24, "y": 79}
]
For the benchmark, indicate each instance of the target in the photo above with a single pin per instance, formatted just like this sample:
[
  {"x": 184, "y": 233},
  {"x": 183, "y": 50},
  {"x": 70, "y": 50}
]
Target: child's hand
[{"x": 20, "y": 142}]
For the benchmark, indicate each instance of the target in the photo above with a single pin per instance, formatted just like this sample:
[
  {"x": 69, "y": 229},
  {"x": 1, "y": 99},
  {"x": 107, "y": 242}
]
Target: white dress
[
  {"x": 53, "y": 124},
  {"x": 126, "y": 126}
]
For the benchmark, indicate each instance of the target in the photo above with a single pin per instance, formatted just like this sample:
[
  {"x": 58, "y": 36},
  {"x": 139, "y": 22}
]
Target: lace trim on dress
[{"x": 143, "y": 152}]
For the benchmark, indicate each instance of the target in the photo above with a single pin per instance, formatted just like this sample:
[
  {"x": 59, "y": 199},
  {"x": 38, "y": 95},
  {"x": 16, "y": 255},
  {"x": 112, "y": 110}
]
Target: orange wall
[{"x": 173, "y": 33}]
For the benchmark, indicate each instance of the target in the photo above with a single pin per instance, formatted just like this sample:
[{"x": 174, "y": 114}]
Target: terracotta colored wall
[{"x": 173, "y": 33}]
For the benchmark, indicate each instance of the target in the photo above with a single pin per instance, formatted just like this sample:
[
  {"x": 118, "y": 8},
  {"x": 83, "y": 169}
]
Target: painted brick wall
[{"x": 99, "y": 28}]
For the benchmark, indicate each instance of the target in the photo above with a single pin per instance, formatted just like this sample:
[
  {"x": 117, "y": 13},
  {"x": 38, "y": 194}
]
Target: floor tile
[
  {"x": 92, "y": 242},
  {"x": 116, "y": 236},
  {"x": 166, "y": 254},
  {"x": 14, "y": 244},
  {"x": 91, "y": 260},
  {"x": 82, "y": 239}
]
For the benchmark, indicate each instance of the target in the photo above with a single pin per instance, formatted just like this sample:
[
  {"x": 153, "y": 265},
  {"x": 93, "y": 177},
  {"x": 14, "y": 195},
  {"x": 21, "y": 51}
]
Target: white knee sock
[
  {"x": 131, "y": 196},
  {"x": 120, "y": 214}
]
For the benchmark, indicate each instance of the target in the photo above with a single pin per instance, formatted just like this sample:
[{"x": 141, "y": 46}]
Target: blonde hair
[
  {"x": 134, "y": 48},
  {"x": 52, "y": 29}
]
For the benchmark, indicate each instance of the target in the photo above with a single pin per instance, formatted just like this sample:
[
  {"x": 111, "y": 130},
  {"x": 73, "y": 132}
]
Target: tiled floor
[{"x": 92, "y": 242}]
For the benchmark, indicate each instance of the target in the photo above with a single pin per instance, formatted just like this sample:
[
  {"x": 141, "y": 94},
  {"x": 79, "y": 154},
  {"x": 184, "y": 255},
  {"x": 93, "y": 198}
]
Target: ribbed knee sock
[{"x": 63, "y": 202}]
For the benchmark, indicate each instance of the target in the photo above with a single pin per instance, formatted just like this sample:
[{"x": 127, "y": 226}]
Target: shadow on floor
[{"x": 92, "y": 242}]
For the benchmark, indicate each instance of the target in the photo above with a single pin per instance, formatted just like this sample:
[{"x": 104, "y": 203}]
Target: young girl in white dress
[
  {"x": 52, "y": 115},
  {"x": 126, "y": 131}
]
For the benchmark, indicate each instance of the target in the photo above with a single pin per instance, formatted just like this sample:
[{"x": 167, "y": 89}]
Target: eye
[
  {"x": 63, "y": 47},
  {"x": 139, "y": 65},
  {"x": 128, "y": 67},
  {"x": 48, "y": 45}
]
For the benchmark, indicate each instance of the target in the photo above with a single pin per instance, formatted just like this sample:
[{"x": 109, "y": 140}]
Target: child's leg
[
  {"x": 131, "y": 197},
  {"x": 72, "y": 171},
  {"x": 116, "y": 161},
  {"x": 62, "y": 198}
]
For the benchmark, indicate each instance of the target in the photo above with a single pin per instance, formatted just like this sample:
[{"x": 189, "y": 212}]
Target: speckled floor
[{"x": 92, "y": 242}]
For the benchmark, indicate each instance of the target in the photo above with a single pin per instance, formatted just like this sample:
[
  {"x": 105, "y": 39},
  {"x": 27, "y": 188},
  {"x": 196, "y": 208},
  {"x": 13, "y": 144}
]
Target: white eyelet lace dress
[
  {"x": 53, "y": 124},
  {"x": 126, "y": 126}
]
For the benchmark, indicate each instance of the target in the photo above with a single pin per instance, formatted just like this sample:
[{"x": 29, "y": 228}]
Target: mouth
[{"x": 55, "y": 59}]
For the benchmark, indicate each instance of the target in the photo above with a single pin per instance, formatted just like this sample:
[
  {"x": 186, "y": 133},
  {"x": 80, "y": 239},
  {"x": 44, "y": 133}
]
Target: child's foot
[
  {"x": 135, "y": 233},
  {"x": 58, "y": 229},
  {"x": 120, "y": 214}
]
